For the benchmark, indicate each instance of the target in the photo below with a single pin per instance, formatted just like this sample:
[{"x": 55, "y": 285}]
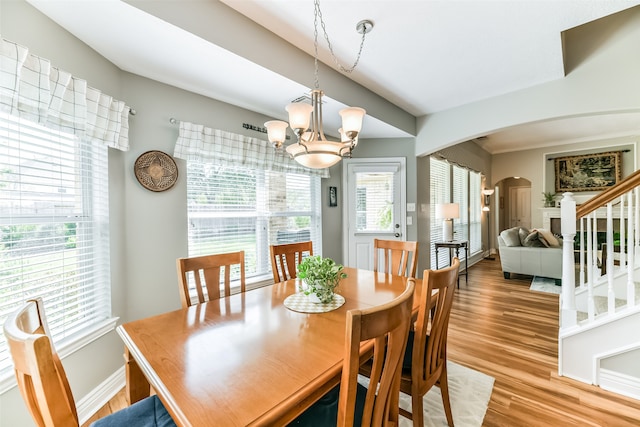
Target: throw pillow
[
  {"x": 510, "y": 237},
  {"x": 523, "y": 232},
  {"x": 533, "y": 240},
  {"x": 547, "y": 238}
]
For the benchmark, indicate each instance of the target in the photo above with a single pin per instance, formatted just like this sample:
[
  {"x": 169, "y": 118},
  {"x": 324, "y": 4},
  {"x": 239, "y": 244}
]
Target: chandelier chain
[{"x": 318, "y": 14}]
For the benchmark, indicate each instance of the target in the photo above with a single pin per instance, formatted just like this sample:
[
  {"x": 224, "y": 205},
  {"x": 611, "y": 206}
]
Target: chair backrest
[
  {"x": 41, "y": 378},
  {"x": 429, "y": 355},
  {"x": 210, "y": 272},
  {"x": 400, "y": 257},
  {"x": 387, "y": 326},
  {"x": 285, "y": 258}
]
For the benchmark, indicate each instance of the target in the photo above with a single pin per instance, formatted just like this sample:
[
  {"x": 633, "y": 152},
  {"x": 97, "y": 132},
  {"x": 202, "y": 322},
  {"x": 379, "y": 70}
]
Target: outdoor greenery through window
[
  {"x": 232, "y": 208},
  {"x": 54, "y": 228},
  {"x": 456, "y": 184},
  {"x": 374, "y": 201}
]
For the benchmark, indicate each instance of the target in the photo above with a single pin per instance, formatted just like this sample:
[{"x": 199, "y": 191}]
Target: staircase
[{"x": 599, "y": 336}]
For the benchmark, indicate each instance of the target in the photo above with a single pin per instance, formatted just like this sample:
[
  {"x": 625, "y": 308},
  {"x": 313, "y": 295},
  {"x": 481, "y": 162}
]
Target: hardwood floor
[{"x": 501, "y": 328}]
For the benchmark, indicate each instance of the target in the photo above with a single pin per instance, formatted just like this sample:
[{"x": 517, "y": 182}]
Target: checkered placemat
[{"x": 300, "y": 302}]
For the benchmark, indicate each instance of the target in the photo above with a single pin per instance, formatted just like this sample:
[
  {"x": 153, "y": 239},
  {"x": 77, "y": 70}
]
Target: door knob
[{"x": 397, "y": 234}]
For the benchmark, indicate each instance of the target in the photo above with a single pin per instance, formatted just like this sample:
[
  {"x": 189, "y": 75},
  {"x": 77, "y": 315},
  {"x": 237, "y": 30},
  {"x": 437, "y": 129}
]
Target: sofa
[{"x": 534, "y": 252}]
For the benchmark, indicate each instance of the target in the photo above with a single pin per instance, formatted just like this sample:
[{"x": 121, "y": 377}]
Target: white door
[
  {"x": 375, "y": 206},
  {"x": 520, "y": 207}
]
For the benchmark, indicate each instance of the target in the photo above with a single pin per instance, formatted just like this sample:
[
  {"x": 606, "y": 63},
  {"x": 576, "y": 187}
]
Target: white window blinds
[
  {"x": 475, "y": 212},
  {"x": 455, "y": 184},
  {"x": 54, "y": 228},
  {"x": 54, "y": 216},
  {"x": 440, "y": 187},
  {"x": 374, "y": 201},
  {"x": 239, "y": 199}
]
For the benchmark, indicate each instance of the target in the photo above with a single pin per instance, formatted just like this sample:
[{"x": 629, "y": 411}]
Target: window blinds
[
  {"x": 456, "y": 184},
  {"x": 232, "y": 208},
  {"x": 54, "y": 229}
]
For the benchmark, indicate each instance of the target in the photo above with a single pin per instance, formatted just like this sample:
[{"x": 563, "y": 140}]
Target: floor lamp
[{"x": 487, "y": 201}]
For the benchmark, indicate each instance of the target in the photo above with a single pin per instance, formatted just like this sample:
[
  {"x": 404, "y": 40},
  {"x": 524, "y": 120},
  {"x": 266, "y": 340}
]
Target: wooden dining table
[{"x": 247, "y": 359}]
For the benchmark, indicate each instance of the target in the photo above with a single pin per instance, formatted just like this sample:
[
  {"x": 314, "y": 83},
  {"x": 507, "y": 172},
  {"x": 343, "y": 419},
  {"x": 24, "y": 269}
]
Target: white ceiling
[{"x": 422, "y": 56}]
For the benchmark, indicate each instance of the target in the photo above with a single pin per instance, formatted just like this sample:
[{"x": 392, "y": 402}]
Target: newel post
[{"x": 568, "y": 226}]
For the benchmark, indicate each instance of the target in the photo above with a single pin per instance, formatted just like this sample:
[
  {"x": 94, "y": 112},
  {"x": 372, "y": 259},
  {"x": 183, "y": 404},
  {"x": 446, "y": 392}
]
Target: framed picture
[
  {"x": 589, "y": 172},
  {"x": 333, "y": 197}
]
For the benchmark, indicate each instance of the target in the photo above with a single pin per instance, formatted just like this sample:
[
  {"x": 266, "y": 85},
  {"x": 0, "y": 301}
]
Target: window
[
  {"x": 456, "y": 184},
  {"x": 232, "y": 208},
  {"x": 54, "y": 229},
  {"x": 374, "y": 203}
]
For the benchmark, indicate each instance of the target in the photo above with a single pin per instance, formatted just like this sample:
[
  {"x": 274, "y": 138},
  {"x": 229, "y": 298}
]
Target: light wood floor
[{"x": 501, "y": 328}]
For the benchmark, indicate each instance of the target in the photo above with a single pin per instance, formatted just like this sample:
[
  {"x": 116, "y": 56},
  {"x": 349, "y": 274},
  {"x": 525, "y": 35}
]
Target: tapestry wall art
[{"x": 589, "y": 172}]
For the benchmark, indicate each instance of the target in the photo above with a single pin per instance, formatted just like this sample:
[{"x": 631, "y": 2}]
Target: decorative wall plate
[{"x": 156, "y": 171}]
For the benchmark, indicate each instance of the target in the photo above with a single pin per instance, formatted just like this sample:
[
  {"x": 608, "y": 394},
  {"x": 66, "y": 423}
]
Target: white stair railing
[{"x": 589, "y": 271}]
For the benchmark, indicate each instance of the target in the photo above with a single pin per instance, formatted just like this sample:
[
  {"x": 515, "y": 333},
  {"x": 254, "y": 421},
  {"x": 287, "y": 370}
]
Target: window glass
[
  {"x": 54, "y": 228},
  {"x": 232, "y": 208},
  {"x": 374, "y": 204}
]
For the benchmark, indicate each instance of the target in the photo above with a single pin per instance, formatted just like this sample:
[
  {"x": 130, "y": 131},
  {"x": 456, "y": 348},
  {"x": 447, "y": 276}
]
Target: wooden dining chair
[
  {"x": 399, "y": 257},
  {"x": 43, "y": 382},
  {"x": 387, "y": 326},
  {"x": 425, "y": 360},
  {"x": 286, "y": 257},
  {"x": 211, "y": 273}
]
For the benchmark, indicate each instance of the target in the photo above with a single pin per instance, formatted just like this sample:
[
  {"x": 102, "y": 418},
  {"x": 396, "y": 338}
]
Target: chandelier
[{"x": 312, "y": 148}]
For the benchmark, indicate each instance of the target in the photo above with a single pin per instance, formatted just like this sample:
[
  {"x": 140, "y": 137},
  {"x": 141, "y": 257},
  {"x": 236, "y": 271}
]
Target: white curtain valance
[
  {"x": 199, "y": 143},
  {"x": 33, "y": 89}
]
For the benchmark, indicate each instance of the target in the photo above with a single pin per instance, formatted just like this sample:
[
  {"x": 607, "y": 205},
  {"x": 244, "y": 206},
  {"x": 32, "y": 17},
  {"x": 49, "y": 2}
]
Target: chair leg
[
  {"x": 417, "y": 410},
  {"x": 444, "y": 390}
]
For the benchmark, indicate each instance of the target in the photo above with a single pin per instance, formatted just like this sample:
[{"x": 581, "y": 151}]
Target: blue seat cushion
[
  {"x": 324, "y": 412},
  {"x": 408, "y": 353},
  {"x": 149, "y": 412}
]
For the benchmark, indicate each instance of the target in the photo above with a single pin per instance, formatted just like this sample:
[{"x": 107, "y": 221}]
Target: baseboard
[
  {"x": 620, "y": 383},
  {"x": 99, "y": 396}
]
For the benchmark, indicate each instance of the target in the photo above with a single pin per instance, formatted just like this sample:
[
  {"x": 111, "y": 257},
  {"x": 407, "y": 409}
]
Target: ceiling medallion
[{"x": 156, "y": 171}]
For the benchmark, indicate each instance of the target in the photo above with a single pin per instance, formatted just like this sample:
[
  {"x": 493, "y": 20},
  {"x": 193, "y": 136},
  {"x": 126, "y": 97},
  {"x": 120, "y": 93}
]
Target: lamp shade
[
  {"x": 488, "y": 191},
  {"x": 299, "y": 115},
  {"x": 447, "y": 210},
  {"x": 276, "y": 131},
  {"x": 352, "y": 120}
]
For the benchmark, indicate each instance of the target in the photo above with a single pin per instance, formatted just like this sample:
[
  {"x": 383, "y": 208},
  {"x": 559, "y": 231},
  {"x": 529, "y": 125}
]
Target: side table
[{"x": 456, "y": 244}]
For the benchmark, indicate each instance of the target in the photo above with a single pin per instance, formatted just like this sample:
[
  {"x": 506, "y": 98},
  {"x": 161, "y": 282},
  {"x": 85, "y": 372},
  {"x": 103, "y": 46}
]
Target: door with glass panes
[{"x": 374, "y": 206}]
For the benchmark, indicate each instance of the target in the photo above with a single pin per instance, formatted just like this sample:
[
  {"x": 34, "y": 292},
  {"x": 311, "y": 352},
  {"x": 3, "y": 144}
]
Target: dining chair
[
  {"x": 211, "y": 273},
  {"x": 350, "y": 403},
  {"x": 43, "y": 382},
  {"x": 286, "y": 257},
  {"x": 399, "y": 257},
  {"x": 425, "y": 360}
]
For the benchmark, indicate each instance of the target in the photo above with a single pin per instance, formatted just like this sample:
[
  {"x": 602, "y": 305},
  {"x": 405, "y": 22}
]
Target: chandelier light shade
[
  {"x": 447, "y": 212},
  {"x": 276, "y": 132},
  {"x": 312, "y": 148}
]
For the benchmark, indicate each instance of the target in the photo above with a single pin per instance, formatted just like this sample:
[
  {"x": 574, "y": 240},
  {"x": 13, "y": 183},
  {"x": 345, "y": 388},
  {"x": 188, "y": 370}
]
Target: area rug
[
  {"x": 469, "y": 392},
  {"x": 544, "y": 284}
]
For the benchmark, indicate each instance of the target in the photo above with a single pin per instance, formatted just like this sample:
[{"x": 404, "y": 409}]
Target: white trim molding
[{"x": 101, "y": 395}]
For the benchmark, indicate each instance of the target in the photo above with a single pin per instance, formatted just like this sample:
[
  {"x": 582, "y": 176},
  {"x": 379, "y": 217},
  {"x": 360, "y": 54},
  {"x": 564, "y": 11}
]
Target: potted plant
[
  {"x": 549, "y": 199},
  {"x": 320, "y": 277}
]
